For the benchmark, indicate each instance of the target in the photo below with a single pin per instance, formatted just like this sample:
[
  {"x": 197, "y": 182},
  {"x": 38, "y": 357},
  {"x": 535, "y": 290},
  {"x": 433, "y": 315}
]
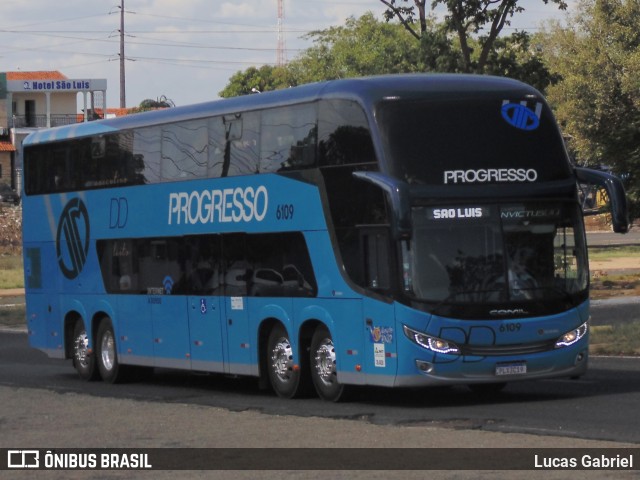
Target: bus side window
[
  {"x": 184, "y": 150},
  {"x": 203, "y": 270},
  {"x": 343, "y": 134},
  {"x": 146, "y": 152},
  {"x": 280, "y": 266},
  {"x": 217, "y": 146},
  {"x": 237, "y": 273},
  {"x": 118, "y": 263},
  {"x": 288, "y": 140},
  {"x": 245, "y": 154},
  {"x": 375, "y": 259}
]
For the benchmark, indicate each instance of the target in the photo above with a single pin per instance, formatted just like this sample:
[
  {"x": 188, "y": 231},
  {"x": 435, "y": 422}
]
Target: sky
[{"x": 184, "y": 50}]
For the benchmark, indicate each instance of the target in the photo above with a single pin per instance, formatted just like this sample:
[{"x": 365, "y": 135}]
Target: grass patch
[
  {"x": 12, "y": 271},
  {"x": 623, "y": 339},
  {"x": 606, "y": 253}
]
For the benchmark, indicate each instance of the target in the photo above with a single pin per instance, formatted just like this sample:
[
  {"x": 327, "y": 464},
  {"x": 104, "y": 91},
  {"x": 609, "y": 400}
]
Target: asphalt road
[
  {"x": 43, "y": 404},
  {"x": 603, "y": 239},
  {"x": 602, "y": 405}
]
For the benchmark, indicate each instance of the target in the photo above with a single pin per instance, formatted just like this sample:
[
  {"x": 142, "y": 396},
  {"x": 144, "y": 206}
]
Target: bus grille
[{"x": 507, "y": 350}]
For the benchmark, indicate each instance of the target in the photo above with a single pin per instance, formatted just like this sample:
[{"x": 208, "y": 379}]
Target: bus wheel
[
  {"x": 283, "y": 375},
  {"x": 107, "y": 356},
  {"x": 83, "y": 361},
  {"x": 323, "y": 366}
]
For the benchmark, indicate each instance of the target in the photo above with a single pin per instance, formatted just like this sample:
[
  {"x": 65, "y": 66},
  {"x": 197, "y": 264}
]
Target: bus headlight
[
  {"x": 429, "y": 342},
  {"x": 572, "y": 336}
]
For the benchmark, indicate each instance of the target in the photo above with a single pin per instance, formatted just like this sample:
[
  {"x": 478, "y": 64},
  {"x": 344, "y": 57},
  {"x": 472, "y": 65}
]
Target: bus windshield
[
  {"x": 430, "y": 142},
  {"x": 497, "y": 256}
]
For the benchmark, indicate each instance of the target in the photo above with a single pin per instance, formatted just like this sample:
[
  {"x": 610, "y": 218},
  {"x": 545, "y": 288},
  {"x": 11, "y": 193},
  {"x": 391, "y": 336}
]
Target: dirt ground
[
  {"x": 615, "y": 277},
  {"x": 626, "y": 263}
]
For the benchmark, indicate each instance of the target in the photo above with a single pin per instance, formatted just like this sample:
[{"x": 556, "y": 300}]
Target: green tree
[
  {"x": 363, "y": 46},
  {"x": 477, "y": 24},
  {"x": 517, "y": 57},
  {"x": 366, "y": 46},
  {"x": 150, "y": 104},
  {"x": 597, "y": 100},
  {"x": 258, "y": 80}
]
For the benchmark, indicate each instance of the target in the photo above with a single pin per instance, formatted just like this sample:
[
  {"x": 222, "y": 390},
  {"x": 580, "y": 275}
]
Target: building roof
[
  {"x": 118, "y": 112},
  {"x": 6, "y": 146},
  {"x": 42, "y": 75}
]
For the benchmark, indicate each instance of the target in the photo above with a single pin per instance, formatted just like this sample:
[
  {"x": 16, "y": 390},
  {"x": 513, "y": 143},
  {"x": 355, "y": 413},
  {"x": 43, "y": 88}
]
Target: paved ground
[
  {"x": 12, "y": 292},
  {"x": 31, "y": 418}
]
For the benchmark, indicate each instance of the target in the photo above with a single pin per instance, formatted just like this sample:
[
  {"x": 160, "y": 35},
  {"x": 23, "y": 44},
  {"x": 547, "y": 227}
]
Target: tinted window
[
  {"x": 343, "y": 134},
  {"x": 472, "y": 141},
  {"x": 147, "y": 149},
  {"x": 280, "y": 266},
  {"x": 344, "y": 147},
  {"x": 231, "y": 264},
  {"x": 184, "y": 150},
  {"x": 95, "y": 162},
  {"x": 272, "y": 140},
  {"x": 468, "y": 259},
  {"x": 288, "y": 138}
]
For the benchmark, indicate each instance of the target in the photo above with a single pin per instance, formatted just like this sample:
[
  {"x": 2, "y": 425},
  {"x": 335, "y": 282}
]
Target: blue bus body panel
[
  {"x": 449, "y": 368},
  {"x": 134, "y": 329},
  {"x": 184, "y": 208},
  {"x": 220, "y": 333}
]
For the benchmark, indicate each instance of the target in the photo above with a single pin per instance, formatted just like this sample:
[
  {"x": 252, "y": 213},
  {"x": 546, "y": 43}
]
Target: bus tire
[
  {"x": 284, "y": 375},
  {"x": 83, "y": 360},
  {"x": 323, "y": 366},
  {"x": 107, "y": 353}
]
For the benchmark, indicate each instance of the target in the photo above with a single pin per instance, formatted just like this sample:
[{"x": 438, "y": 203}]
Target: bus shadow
[
  {"x": 597, "y": 382},
  {"x": 244, "y": 393}
]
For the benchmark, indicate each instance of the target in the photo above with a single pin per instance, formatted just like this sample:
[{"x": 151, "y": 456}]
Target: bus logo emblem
[
  {"x": 520, "y": 116},
  {"x": 72, "y": 239}
]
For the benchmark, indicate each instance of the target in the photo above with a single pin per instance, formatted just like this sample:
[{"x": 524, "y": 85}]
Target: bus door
[
  {"x": 380, "y": 343},
  {"x": 205, "y": 330},
  {"x": 237, "y": 277},
  {"x": 162, "y": 267},
  {"x": 204, "y": 282},
  {"x": 171, "y": 332},
  {"x": 380, "y": 350}
]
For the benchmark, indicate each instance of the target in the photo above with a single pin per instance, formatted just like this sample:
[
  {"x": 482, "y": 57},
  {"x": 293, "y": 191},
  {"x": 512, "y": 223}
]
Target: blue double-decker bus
[{"x": 392, "y": 231}]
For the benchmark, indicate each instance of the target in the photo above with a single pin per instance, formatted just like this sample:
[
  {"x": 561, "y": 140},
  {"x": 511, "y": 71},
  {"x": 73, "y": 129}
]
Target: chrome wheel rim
[
  {"x": 325, "y": 362},
  {"x": 282, "y": 359},
  {"x": 108, "y": 351},
  {"x": 81, "y": 349}
]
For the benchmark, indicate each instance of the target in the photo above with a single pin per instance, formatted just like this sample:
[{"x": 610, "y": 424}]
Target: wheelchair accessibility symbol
[{"x": 203, "y": 306}]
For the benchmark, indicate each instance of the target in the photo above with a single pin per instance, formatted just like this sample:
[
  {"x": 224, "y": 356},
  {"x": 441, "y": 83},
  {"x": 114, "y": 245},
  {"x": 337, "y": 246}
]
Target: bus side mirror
[
  {"x": 400, "y": 203},
  {"x": 615, "y": 191}
]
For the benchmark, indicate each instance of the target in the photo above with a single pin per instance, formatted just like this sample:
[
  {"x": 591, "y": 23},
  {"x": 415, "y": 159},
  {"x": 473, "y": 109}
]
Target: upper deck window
[
  {"x": 344, "y": 137},
  {"x": 483, "y": 140}
]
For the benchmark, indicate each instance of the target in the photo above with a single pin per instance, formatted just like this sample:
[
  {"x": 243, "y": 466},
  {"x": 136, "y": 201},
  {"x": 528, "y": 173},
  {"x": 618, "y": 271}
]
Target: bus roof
[{"x": 366, "y": 90}]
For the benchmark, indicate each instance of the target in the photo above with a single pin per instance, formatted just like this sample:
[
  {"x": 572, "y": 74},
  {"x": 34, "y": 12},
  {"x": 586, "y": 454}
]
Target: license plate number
[{"x": 511, "y": 369}]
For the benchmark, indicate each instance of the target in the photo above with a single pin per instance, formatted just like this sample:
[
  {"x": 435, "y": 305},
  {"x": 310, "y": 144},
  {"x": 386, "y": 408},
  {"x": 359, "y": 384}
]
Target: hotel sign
[{"x": 65, "y": 85}]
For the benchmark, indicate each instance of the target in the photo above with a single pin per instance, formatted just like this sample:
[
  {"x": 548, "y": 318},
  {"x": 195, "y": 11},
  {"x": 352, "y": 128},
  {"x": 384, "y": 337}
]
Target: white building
[{"x": 33, "y": 100}]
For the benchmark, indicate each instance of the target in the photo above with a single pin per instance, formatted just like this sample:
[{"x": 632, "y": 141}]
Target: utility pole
[
  {"x": 123, "y": 96},
  {"x": 281, "y": 58}
]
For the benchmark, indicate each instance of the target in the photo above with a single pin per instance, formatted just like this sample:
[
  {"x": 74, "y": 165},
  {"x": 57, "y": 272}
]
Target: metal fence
[{"x": 40, "y": 121}]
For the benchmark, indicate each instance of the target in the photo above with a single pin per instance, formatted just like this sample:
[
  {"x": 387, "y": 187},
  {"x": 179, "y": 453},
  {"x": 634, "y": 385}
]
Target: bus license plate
[{"x": 503, "y": 369}]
